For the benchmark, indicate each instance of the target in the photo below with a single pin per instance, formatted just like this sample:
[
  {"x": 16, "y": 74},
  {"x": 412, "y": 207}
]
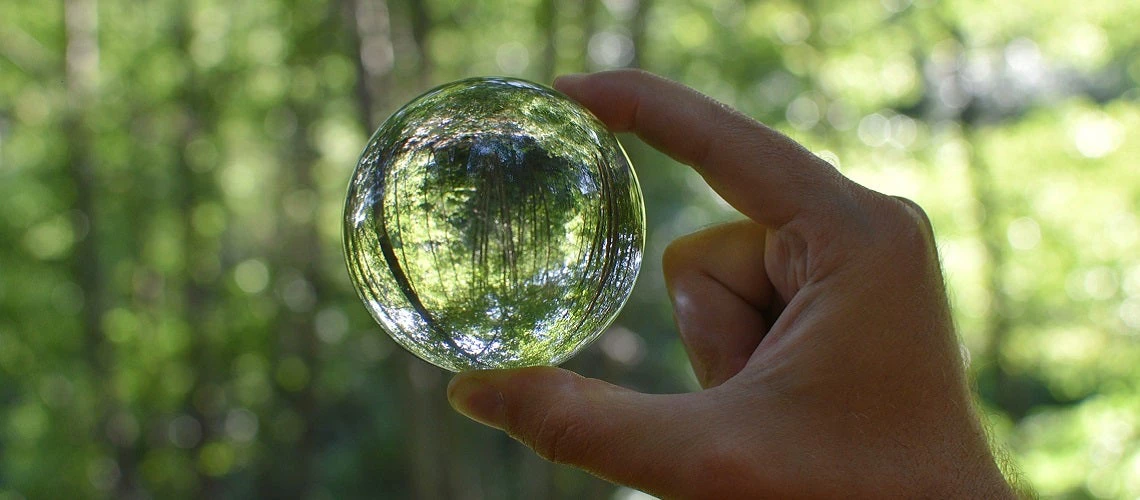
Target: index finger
[{"x": 764, "y": 174}]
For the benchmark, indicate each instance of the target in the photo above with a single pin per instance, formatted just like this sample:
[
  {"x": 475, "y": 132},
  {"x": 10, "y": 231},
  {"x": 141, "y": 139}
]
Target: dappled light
[{"x": 176, "y": 319}]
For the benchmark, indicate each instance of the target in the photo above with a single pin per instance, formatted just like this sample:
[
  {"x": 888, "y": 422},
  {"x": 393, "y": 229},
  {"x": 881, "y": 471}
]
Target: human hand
[{"x": 819, "y": 329}]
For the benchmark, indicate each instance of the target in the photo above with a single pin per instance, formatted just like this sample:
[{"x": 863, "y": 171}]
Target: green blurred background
[{"x": 175, "y": 315}]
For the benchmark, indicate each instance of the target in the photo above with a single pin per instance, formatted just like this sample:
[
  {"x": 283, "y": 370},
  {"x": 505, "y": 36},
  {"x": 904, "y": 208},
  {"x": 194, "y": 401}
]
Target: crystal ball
[{"x": 493, "y": 223}]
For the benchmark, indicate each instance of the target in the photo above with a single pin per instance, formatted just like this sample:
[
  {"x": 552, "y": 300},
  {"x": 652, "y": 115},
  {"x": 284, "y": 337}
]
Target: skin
[{"x": 819, "y": 328}]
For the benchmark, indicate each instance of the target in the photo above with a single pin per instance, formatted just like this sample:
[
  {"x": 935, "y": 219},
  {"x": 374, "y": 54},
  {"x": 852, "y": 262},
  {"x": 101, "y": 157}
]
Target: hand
[{"x": 819, "y": 328}]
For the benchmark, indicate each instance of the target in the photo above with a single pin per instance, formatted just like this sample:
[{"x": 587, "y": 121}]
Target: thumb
[{"x": 650, "y": 442}]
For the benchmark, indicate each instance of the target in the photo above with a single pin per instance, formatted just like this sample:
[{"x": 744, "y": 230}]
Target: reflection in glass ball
[{"x": 493, "y": 223}]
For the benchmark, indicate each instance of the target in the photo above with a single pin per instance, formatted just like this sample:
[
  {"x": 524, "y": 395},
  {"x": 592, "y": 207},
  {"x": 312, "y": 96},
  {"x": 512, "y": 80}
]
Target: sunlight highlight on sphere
[{"x": 493, "y": 223}]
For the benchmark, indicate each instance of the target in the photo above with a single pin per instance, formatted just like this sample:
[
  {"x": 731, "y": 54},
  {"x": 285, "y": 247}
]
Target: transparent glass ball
[{"x": 493, "y": 223}]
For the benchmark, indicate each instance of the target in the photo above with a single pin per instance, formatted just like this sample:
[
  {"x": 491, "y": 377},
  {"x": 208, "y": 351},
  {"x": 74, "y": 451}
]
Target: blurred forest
[{"x": 175, "y": 314}]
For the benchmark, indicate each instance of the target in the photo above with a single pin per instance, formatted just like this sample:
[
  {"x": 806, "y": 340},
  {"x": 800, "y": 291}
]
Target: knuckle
[
  {"x": 837, "y": 200},
  {"x": 556, "y": 436},
  {"x": 917, "y": 214},
  {"x": 908, "y": 228}
]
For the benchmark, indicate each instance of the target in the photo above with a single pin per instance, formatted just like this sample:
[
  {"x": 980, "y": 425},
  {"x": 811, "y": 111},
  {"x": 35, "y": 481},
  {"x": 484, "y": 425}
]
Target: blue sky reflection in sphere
[{"x": 493, "y": 223}]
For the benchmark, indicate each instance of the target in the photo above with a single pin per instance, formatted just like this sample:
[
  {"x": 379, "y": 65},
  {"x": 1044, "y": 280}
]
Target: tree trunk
[
  {"x": 421, "y": 33},
  {"x": 196, "y": 298},
  {"x": 81, "y": 70},
  {"x": 547, "y": 17},
  {"x": 370, "y": 31},
  {"x": 300, "y": 334},
  {"x": 997, "y": 324},
  {"x": 423, "y": 385},
  {"x": 589, "y": 27},
  {"x": 638, "y": 31}
]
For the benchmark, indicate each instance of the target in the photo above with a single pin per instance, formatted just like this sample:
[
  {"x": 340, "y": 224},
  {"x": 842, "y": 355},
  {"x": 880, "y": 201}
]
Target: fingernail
[
  {"x": 570, "y": 79},
  {"x": 478, "y": 400}
]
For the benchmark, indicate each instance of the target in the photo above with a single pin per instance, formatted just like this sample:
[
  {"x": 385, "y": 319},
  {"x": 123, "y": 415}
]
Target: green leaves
[{"x": 218, "y": 137}]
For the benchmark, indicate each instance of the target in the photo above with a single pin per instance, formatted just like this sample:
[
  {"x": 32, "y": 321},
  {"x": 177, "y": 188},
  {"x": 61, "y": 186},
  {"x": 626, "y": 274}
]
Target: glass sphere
[{"x": 493, "y": 223}]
